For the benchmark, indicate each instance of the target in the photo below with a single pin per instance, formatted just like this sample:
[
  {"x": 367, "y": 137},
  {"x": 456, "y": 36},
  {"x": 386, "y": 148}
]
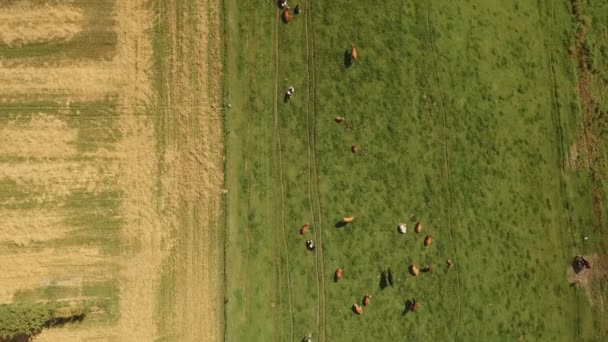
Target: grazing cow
[
  {"x": 414, "y": 270},
  {"x": 353, "y": 53},
  {"x": 427, "y": 268},
  {"x": 586, "y": 262},
  {"x": 338, "y": 275},
  {"x": 310, "y": 245},
  {"x": 348, "y": 219},
  {"x": 355, "y": 148},
  {"x": 357, "y": 309},
  {"x": 367, "y": 299},
  {"x": 580, "y": 263},
  {"x": 304, "y": 229},
  {"x": 339, "y": 119},
  {"x": 414, "y": 306},
  {"x": 402, "y": 228},
  {"x": 418, "y": 227},
  {"x": 450, "y": 262},
  {"x": 286, "y": 15},
  {"x": 428, "y": 240},
  {"x": 288, "y": 93},
  {"x": 297, "y": 10}
]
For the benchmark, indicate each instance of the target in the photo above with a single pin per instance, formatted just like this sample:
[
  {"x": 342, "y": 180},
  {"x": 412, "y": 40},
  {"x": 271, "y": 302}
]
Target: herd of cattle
[{"x": 351, "y": 57}]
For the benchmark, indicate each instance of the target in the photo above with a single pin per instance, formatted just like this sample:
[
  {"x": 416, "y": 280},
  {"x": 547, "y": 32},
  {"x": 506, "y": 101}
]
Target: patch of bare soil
[
  {"x": 593, "y": 280},
  {"x": 585, "y": 80},
  {"x": 23, "y": 23}
]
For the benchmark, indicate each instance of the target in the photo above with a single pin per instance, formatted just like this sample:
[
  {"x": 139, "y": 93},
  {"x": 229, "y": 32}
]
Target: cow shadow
[
  {"x": 407, "y": 306},
  {"x": 383, "y": 280},
  {"x": 348, "y": 61},
  {"x": 386, "y": 278},
  {"x": 285, "y": 98},
  {"x": 340, "y": 224}
]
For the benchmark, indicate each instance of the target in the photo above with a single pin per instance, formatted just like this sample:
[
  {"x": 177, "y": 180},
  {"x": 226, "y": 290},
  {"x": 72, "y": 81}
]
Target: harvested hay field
[{"x": 111, "y": 170}]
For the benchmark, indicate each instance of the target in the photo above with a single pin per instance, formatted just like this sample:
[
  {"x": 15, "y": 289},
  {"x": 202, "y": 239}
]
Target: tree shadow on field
[
  {"x": 347, "y": 59},
  {"x": 61, "y": 321},
  {"x": 20, "y": 338}
]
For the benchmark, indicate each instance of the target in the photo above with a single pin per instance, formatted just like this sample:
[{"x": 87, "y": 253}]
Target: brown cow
[
  {"x": 338, "y": 275},
  {"x": 414, "y": 306},
  {"x": 304, "y": 229},
  {"x": 353, "y": 53},
  {"x": 450, "y": 262},
  {"x": 348, "y": 219},
  {"x": 418, "y": 227},
  {"x": 339, "y": 119},
  {"x": 428, "y": 240},
  {"x": 357, "y": 309},
  {"x": 286, "y": 15},
  {"x": 355, "y": 148},
  {"x": 414, "y": 270},
  {"x": 367, "y": 299},
  {"x": 427, "y": 268}
]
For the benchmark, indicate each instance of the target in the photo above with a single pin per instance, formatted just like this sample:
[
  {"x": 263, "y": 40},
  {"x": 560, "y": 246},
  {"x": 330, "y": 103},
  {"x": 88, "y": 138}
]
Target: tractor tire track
[
  {"x": 556, "y": 119},
  {"x": 277, "y": 128},
  {"x": 249, "y": 183},
  {"x": 561, "y": 153},
  {"x": 446, "y": 159},
  {"x": 313, "y": 177}
]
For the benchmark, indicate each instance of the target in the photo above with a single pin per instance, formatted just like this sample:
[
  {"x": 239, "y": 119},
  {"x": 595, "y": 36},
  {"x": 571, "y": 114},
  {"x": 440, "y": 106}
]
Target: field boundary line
[
  {"x": 445, "y": 159},
  {"x": 277, "y": 127}
]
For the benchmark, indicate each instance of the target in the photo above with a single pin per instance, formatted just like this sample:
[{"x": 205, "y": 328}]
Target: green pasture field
[{"x": 465, "y": 113}]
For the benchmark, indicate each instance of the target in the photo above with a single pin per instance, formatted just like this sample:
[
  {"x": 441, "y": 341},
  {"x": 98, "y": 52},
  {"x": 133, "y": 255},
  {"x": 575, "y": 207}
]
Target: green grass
[{"x": 465, "y": 114}]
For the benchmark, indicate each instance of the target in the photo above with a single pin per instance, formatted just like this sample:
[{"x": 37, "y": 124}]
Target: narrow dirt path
[
  {"x": 313, "y": 179},
  {"x": 446, "y": 160}
]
